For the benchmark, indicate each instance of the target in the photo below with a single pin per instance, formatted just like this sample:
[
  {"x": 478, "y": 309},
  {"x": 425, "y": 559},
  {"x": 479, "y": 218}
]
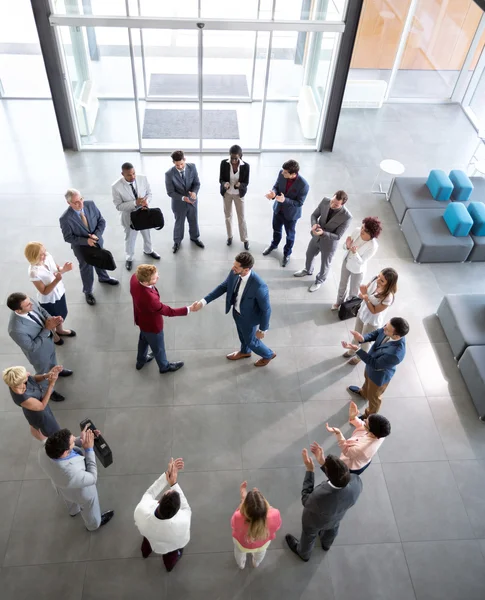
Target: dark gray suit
[
  {"x": 327, "y": 243},
  {"x": 177, "y": 187},
  {"x": 76, "y": 234},
  {"x": 36, "y": 342},
  {"x": 324, "y": 508}
]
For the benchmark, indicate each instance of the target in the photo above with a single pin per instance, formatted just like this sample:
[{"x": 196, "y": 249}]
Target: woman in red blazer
[{"x": 149, "y": 313}]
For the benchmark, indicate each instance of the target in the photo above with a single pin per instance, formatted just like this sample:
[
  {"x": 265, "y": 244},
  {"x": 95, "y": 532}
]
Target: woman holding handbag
[
  {"x": 376, "y": 296},
  {"x": 361, "y": 247}
]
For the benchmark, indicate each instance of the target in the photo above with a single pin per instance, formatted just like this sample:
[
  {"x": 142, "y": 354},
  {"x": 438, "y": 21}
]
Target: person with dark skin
[{"x": 234, "y": 180}]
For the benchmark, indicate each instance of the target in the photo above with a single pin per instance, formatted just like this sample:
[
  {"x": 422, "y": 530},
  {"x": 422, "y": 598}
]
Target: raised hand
[
  {"x": 357, "y": 336},
  {"x": 243, "y": 490},
  {"x": 353, "y": 410},
  {"x": 308, "y": 461},
  {"x": 348, "y": 242},
  {"x": 317, "y": 452},
  {"x": 335, "y": 430},
  {"x": 280, "y": 198},
  {"x": 57, "y": 275},
  {"x": 67, "y": 267},
  {"x": 349, "y": 346},
  {"x": 270, "y": 195}
]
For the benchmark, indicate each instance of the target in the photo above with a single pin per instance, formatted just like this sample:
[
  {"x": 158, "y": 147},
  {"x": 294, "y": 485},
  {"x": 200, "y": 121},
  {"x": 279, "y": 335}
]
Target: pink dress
[{"x": 240, "y": 529}]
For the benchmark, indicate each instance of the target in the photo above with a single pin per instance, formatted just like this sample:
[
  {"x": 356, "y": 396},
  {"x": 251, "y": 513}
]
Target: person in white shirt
[
  {"x": 163, "y": 517},
  {"x": 234, "y": 180},
  {"x": 46, "y": 275},
  {"x": 376, "y": 296},
  {"x": 132, "y": 192},
  {"x": 360, "y": 248}
]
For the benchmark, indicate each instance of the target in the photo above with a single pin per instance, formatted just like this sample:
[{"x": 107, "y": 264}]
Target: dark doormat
[
  {"x": 175, "y": 84},
  {"x": 184, "y": 124}
]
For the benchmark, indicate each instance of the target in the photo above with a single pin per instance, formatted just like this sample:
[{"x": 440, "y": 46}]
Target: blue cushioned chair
[
  {"x": 458, "y": 219},
  {"x": 477, "y": 213},
  {"x": 439, "y": 184},
  {"x": 462, "y": 186}
]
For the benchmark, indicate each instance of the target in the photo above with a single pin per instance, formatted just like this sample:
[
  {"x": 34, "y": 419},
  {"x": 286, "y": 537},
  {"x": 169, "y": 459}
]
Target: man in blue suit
[
  {"x": 83, "y": 225},
  {"x": 388, "y": 350},
  {"x": 289, "y": 193},
  {"x": 248, "y": 296},
  {"x": 182, "y": 183}
]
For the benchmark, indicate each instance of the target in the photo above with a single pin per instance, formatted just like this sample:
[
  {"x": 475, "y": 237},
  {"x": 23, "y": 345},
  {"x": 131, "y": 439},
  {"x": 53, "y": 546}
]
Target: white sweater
[{"x": 164, "y": 535}]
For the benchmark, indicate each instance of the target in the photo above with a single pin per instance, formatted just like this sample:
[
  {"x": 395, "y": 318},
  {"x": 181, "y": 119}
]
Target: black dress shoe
[
  {"x": 229, "y": 241},
  {"x": 106, "y": 517},
  {"x": 246, "y": 245},
  {"x": 110, "y": 281},
  {"x": 149, "y": 358},
  {"x": 268, "y": 250},
  {"x": 175, "y": 366},
  {"x": 72, "y": 334},
  {"x": 90, "y": 299},
  {"x": 128, "y": 265},
  {"x": 56, "y": 397},
  {"x": 285, "y": 261},
  {"x": 198, "y": 243},
  {"x": 293, "y": 545},
  {"x": 65, "y": 373},
  {"x": 59, "y": 342},
  {"x": 176, "y": 247},
  {"x": 153, "y": 254}
]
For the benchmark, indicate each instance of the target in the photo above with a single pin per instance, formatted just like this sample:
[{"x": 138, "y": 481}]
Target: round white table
[{"x": 390, "y": 167}]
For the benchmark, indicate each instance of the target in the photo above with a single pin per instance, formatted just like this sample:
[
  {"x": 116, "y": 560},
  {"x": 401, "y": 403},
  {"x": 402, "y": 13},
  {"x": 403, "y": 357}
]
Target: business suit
[
  {"x": 254, "y": 311},
  {"x": 225, "y": 174},
  {"x": 76, "y": 234},
  {"x": 380, "y": 365},
  {"x": 148, "y": 314},
  {"x": 327, "y": 243},
  {"x": 179, "y": 186},
  {"x": 324, "y": 507},
  {"x": 124, "y": 200},
  {"x": 287, "y": 213},
  {"x": 75, "y": 479},
  {"x": 36, "y": 342}
]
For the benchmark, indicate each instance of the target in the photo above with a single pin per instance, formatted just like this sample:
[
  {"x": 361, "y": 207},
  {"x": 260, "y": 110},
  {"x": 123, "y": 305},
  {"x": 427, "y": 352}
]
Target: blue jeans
[
  {"x": 249, "y": 341},
  {"x": 279, "y": 222},
  {"x": 156, "y": 342}
]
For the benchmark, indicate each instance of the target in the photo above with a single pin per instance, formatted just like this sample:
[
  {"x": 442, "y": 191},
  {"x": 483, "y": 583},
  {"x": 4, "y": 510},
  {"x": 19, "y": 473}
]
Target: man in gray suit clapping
[{"x": 70, "y": 464}]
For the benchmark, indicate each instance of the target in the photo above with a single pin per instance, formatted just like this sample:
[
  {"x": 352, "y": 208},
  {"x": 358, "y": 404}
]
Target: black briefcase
[
  {"x": 148, "y": 218},
  {"x": 349, "y": 308},
  {"x": 101, "y": 448},
  {"x": 98, "y": 257}
]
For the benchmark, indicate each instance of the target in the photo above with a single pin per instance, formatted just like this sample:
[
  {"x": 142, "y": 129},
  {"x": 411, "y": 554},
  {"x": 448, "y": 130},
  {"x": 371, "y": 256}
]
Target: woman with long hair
[
  {"x": 254, "y": 525},
  {"x": 376, "y": 296}
]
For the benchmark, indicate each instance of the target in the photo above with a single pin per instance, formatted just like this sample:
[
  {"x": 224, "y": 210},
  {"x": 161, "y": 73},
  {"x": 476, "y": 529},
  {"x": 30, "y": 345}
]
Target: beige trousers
[
  {"x": 229, "y": 199},
  {"x": 362, "y": 328}
]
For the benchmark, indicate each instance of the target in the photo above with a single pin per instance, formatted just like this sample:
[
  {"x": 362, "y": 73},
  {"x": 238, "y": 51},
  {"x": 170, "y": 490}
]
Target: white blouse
[
  {"x": 356, "y": 263},
  {"x": 45, "y": 273},
  {"x": 365, "y": 314}
]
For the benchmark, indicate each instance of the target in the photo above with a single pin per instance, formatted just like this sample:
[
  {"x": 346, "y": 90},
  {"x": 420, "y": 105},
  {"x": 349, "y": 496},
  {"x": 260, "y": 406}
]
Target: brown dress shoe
[
  {"x": 262, "y": 362},
  {"x": 237, "y": 355}
]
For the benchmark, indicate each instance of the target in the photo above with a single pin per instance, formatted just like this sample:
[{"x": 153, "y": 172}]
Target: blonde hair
[
  {"x": 144, "y": 273},
  {"x": 14, "y": 376},
  {"x": 255, "y": 509},
  {"x": 70, "y": 193},
  {"x": 32, "y": 252}
]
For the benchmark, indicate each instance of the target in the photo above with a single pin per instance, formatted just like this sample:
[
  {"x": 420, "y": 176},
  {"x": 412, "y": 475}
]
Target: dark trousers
[
  {"x": 156, "y": 342},
  {"x": 87, "y": 271},
  {"x": 279, "y": 222},
  {"x": 181, "y": 211},
  {"x": 361, "y": 470},
  {"x": 248, "y": 339},
  {"x": 309, "y": 536},
  {"x": 169, "y": 560}
]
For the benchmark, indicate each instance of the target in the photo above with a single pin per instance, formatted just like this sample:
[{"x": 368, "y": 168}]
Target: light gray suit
[
  {"x": 327, "y": 243},
  {"x": 75, "y": 480},
  {"x": 36, "y": 342},
  {"x": 177, "y": 187}
]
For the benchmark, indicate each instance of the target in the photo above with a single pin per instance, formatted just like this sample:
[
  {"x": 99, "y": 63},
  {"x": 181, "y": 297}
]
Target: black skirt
[{"x": 58, "y": 308}]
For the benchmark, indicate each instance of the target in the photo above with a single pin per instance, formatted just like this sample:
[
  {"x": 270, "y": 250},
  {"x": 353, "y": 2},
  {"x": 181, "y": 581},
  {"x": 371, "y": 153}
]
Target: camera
[{"x": 201, "y": 25}]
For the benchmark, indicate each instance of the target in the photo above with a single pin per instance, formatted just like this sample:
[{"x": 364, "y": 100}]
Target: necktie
[
  {"x": 36, "y": 319},
  {"x": 236, "y": 292},
  {"x": 134, "y": 191},
  {"x": 182, "y": 174},
  {"x": 84, "y": 220}
]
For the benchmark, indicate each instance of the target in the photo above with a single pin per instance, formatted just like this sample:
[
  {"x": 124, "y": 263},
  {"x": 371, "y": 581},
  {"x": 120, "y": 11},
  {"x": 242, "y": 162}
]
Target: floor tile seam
[
  {"x": 439, "y": 432},
  {"x": 407, "y": 566},
  {"x": 472, "y": 528},
  {"x": 11, "y": 523}
]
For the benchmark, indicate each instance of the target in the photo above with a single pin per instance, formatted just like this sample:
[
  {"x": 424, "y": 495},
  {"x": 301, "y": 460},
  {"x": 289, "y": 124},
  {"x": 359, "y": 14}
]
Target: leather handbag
[
  {"x": 349, "y": 308},
  {"x": 150, "y": 218},
  {"x": 98, "y": 257}
]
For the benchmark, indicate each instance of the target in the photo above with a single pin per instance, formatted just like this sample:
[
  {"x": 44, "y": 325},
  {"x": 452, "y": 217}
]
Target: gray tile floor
[{"x": 417, "y": 531}]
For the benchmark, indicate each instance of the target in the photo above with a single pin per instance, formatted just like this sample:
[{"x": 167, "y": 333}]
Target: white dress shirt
[
  {"x": 234, "y": 177},
  {"x": 242, "y": 287},
  {"x": 45, "y": 274},
  {"x": 356, "y": 263},
  {"x": 164, "y": 535}
]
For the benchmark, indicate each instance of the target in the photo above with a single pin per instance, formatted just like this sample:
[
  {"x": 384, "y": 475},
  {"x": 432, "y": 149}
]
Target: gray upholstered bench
[
  {"x": 472, "y": 368},
  {"x": 462, "y": 317},
  {"x": 478, "y": 252},
  {"x": 429, "y": 238},
  {"x": 411, "y": 192}
]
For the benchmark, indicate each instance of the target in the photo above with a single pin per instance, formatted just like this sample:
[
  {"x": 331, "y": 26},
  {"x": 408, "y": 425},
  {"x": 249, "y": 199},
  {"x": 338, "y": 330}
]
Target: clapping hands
[
  {"x": 174, "y": 466},
  {"x": 317, "y": 452}
]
